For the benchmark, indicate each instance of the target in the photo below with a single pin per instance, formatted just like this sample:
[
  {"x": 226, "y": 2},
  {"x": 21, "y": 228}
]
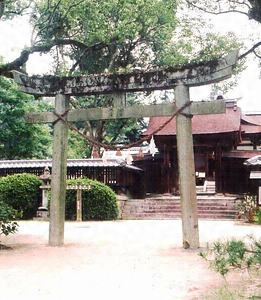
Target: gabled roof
[{"x": 201, "y": 124}]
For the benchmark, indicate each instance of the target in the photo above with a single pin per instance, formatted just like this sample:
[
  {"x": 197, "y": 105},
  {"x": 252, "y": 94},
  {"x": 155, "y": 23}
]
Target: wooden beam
[
  {"x": 163, "y": 79},
  {"x": 138, "y": 111}
]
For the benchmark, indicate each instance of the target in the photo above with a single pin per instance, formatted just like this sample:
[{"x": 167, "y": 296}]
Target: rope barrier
[{"x": 109, "y": 147}]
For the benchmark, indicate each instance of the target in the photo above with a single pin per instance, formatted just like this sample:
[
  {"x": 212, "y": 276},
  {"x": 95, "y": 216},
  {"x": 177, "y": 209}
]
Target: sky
[
  {"x": 248, "y": 90},
  {"x": 13, "y": 39}
]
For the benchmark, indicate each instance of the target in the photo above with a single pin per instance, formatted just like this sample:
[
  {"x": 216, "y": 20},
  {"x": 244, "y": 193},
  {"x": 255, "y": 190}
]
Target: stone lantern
[{"x": 42, "y": 211}]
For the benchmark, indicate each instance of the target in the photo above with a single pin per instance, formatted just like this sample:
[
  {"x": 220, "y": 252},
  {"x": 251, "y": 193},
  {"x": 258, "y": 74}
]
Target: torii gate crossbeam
[{"x": 178, "y": 79}]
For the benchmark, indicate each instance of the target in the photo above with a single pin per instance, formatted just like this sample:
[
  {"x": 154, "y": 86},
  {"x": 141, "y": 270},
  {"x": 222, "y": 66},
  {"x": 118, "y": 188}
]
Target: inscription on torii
[{"x": 179, "y": 79}]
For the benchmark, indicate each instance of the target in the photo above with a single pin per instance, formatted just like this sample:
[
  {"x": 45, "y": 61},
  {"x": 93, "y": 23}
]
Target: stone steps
[{"x": 161, "y": 208}]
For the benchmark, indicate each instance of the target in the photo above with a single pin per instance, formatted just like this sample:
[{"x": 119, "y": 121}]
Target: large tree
[
  {"x": 85, "y": 30},
  {"x": 102, "y": 36},
  {"x": 99, "y": 35}
]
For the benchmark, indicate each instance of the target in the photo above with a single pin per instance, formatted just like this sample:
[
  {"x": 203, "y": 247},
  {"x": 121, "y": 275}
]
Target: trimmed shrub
[
  {"x": 98, "y": 203},
  {"x": 21, "y": 192}
]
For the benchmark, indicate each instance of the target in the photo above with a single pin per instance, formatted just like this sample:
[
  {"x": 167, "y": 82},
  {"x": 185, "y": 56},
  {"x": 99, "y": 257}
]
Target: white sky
[
  {"x": 14, "y": 36},
  {"x": 249, "y": 84}
]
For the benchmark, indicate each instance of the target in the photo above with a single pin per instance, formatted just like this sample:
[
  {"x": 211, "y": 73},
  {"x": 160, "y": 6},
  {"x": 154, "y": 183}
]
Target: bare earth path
[{"x": 114, "y": 260}]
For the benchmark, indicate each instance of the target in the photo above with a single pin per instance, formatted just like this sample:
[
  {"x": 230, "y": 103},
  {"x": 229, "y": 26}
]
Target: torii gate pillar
[
  {"x": 188, "y": 195},
  {"x": 58, "y": 183}
]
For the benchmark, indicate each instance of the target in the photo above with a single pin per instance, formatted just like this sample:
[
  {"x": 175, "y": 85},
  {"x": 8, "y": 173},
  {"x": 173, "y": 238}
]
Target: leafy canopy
[
  {"x": 106, "y": 35},
  {"x": 19, "y": 140}
]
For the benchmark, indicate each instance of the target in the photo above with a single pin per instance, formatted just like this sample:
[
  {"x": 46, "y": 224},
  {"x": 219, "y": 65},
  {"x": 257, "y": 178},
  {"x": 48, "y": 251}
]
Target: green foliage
[
  {"x": 233, "y": 254},
  {"x": 21, "y": 192},
  {"x": 19, "y": 140},
  {"x": 7, "y": 217},
  {"x": 109, "y": 132},
  {"x": 194, "y": 41},
  {"x": 257, "y": 217},
  {"x": 9, "y": 9},
  {"x": 78, "y": 147},
  {"x": 98, "y": 203},
  {"x": 113, "y": 34}
]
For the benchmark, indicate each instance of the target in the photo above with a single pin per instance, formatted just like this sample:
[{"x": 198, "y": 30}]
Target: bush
[
  {"x": 98, "y": 203},
  {"x": 21, "y": 192},
  {"x": 7, "y": 217}
]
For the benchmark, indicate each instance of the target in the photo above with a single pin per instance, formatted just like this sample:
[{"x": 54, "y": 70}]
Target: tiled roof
[
  {"x": 252, "y": 118},
  {"x": 201, "y": 124},
  {"x": 42, "y": 163}
]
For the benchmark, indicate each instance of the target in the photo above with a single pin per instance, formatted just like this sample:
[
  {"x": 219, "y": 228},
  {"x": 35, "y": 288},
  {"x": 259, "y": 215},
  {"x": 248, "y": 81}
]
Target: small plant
[
  {"x": 257, "y": 217},
  {"x": 225, "y": 293},
  {"x": 8, "y": 225},
  {"x": 233, "y": 254},
  {"x": 247, "y": 208}
]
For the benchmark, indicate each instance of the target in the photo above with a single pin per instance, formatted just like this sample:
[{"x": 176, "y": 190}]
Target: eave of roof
[
  {"x": 253, "y": 119},
  {"x": 244, "y": 154},
  {"x": 251, "y": 124},
  {"x": 42, "y": 163},
  {"x": 201, "y": 124}
]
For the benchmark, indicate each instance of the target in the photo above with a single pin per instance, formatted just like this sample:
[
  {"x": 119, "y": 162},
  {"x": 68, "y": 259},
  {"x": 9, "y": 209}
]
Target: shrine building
[{"x": 222, "y": 144}]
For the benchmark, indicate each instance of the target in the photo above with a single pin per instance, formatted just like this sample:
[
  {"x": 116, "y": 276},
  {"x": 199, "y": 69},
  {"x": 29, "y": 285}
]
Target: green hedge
[
  {"x": 21, "y": 192},
  {"x": 98, "y": 203}
]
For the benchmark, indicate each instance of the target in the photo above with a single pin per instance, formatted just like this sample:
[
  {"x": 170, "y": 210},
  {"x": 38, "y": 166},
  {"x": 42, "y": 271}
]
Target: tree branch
[
  {"x": 253, "y": 49},
  {"x": 215, "y": 12},
  {"x": 5, "y": 70}
]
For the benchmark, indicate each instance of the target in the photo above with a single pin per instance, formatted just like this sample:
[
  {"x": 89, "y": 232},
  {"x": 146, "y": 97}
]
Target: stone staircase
[{"x": 168, "y": 207}]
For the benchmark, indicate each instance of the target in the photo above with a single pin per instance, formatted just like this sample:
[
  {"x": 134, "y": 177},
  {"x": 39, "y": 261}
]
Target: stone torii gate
[{"x": 179, "y": 79}]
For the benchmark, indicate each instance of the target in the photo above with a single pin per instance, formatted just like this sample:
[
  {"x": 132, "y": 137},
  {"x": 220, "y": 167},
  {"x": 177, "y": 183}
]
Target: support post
[
  {"x": 188, "y": 195},
  {"x": 79, "y": 203},
  {"x": 58, "y": 183},
  {"x": 218, "y": 176}
]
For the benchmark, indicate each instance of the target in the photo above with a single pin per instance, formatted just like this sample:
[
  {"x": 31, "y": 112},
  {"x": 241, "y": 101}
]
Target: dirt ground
[{"x": 116, "y": 260}]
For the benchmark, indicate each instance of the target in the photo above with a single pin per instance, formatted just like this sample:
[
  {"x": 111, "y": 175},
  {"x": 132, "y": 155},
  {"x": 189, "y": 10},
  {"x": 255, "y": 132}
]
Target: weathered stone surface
[
  {"x": 187, "y": 176},
  {"x": 138, "y": 111},
  {"x": 58, "y": 183},
  {"x": 194, "y": 75}
]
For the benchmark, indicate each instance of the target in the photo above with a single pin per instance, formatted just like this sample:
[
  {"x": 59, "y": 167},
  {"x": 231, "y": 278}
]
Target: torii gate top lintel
[{"x": 194, "y": 75}]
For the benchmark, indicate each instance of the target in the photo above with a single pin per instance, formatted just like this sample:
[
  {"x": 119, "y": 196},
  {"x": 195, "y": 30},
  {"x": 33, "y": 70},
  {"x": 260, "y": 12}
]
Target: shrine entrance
[{"x": 179, "y": 79}]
